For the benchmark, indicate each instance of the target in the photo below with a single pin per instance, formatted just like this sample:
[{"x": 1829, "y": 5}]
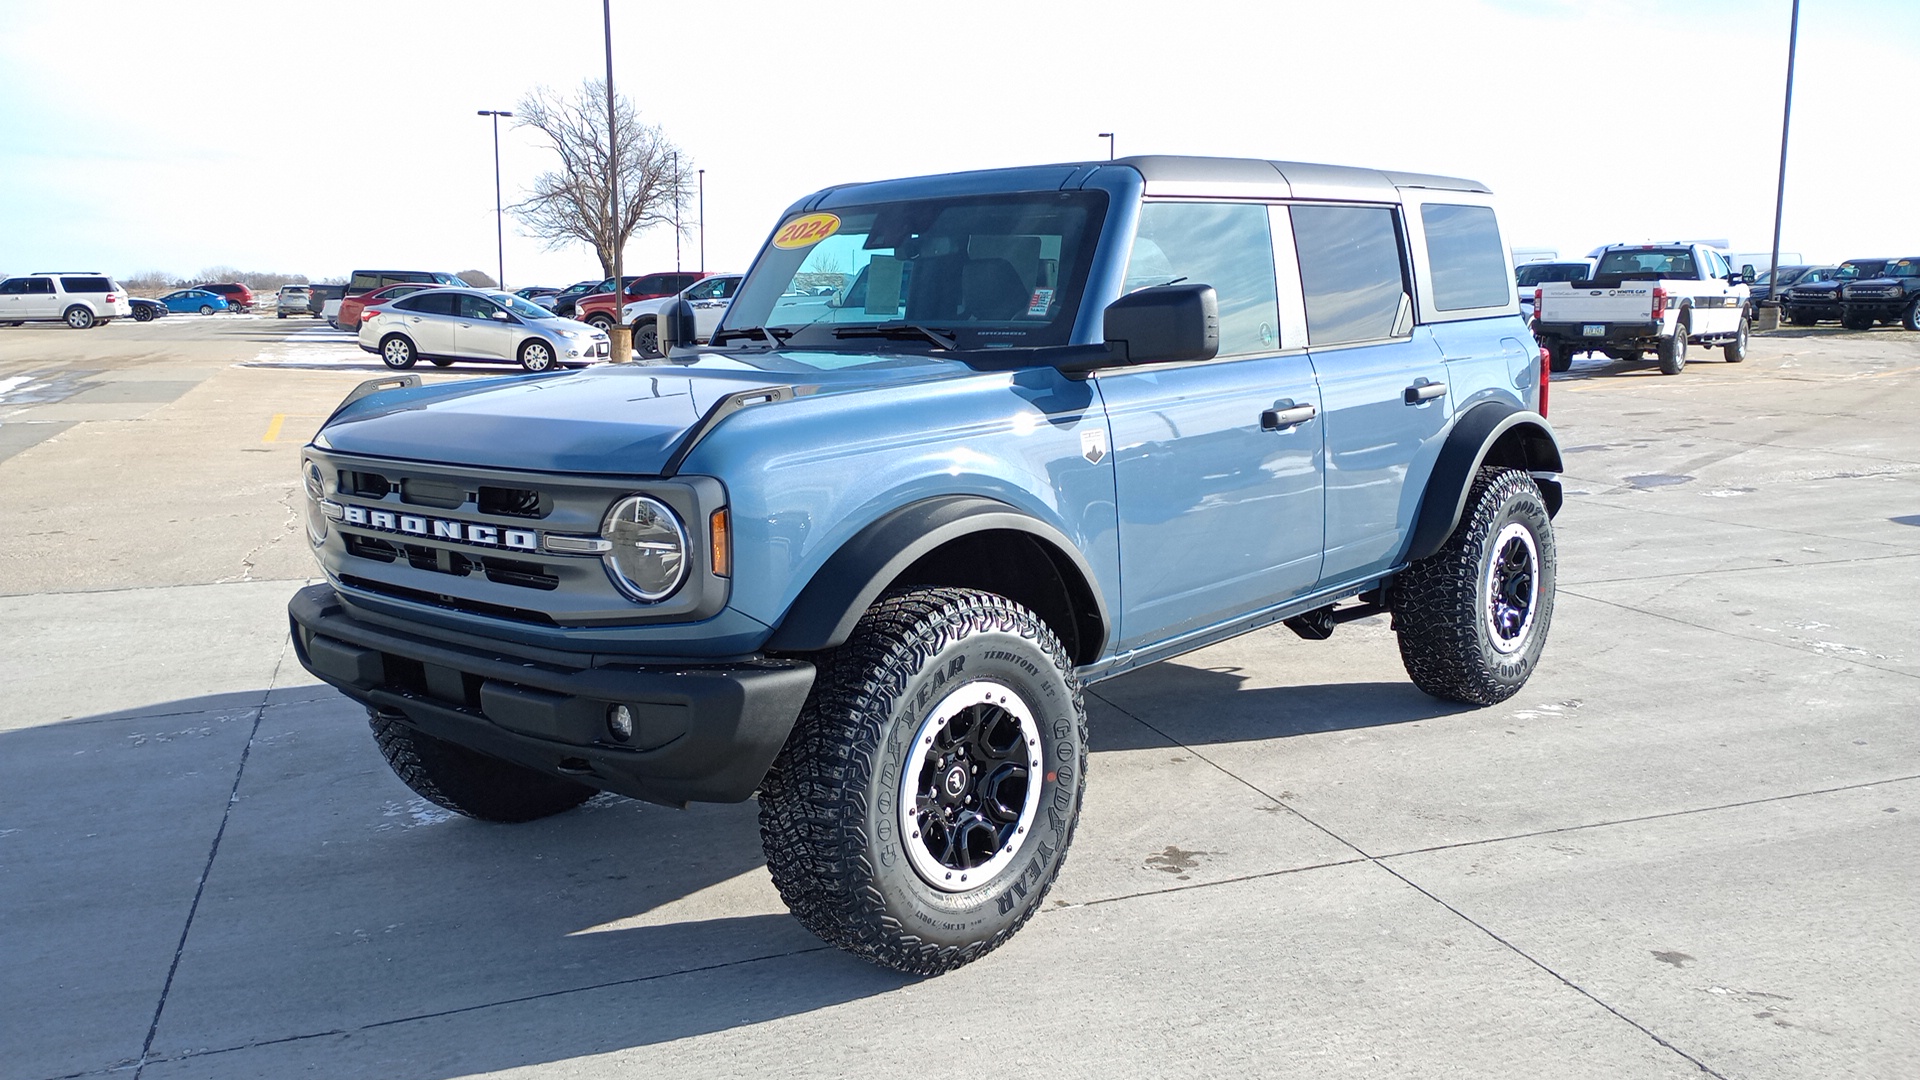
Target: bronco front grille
[{"x": 524, "y": 575}]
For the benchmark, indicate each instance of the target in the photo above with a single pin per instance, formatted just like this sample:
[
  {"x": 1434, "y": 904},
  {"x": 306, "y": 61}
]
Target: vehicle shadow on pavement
[{"x": 1196, "y": 706}]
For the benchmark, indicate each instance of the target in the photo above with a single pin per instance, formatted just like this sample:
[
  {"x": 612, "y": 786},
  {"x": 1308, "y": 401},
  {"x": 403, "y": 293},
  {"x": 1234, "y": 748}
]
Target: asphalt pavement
[{"x": 1688, "y": 847}]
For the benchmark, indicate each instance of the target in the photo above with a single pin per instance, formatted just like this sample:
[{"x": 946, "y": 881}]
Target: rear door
[
  {"x": 1383, "y": 381},
  {"x": 38, "y": 300},
  {"x": 428, "y": 318},
  {"x": 1217, "y": 465}
]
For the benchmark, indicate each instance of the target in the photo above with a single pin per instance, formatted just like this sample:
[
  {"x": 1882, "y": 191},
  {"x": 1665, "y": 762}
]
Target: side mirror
[
  {"x": 501, "y": 316},
  {"x": 1164, "y": 323},
  {"x": 1746, "y": 271},
  {"x": 676, "y": 326}
]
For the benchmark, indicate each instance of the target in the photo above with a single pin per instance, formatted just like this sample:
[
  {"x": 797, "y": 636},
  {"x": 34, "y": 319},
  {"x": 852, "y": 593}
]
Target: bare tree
[{"x": 569, "y": 205}]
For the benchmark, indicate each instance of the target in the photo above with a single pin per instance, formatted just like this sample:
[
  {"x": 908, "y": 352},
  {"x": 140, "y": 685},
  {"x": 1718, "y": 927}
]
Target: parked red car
[
  {"x": 599, "y": 308},
  {"x": 353, "y": 308},
  {"x": 239, "y": 297}
]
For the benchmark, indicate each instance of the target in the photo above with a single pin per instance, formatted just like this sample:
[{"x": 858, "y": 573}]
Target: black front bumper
[
  {"x": 1878, "y": 309},
  {"x": 702, "y": 732}
]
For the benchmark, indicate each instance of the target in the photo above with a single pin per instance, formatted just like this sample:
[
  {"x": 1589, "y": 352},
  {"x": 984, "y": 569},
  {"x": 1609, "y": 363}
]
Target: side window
[
  {"x": 84, "y": 284},
  {"x": 431, "y": 302},
  {"x": 706, "y": 290},
  {"x": 728, "y": 286},
  {"x": 39, "y": 286},
  {"x": 13, "y": 286},
  {"x": 476, "y": 307},
  {"x": 1226, "y": 245},
  {"x": 1463, "y": 247},
  {"x": 1352, "y": 273},
  {"x": 364, "y": 282}
]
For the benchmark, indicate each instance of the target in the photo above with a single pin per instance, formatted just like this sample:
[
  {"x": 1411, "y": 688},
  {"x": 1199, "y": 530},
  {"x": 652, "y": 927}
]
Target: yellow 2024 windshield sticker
[{"x": 806, "y": 230}]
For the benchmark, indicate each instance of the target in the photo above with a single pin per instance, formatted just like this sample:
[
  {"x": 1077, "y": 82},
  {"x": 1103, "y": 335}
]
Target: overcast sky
[{"x": 319, "y": 137}]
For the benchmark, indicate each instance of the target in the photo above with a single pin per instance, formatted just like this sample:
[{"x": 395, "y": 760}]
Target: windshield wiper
[
  {"x": 898, "y": 331},
  {"x": 772, "y": 335}
]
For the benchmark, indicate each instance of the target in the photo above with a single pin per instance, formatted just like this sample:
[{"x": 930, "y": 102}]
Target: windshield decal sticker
[
  {"x": 1041, "y": 301},
  {"x": 806, "y": 231}
]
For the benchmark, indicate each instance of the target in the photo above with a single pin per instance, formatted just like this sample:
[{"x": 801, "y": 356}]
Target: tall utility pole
[
  {"x": 620, "y": 334},
  {"x": 676, "y": 209},
  {"x": 1108, "y": 135},
  {"x": 1786, "y": 119},
  {"x": 499, "y": 233},
  {"x": 703, "y": 221}
]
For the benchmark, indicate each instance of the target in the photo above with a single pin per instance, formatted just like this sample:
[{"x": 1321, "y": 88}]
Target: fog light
[{"x": 620, "y": 723}]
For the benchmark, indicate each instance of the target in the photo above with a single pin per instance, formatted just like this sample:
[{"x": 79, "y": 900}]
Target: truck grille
[{"x": 1869, "y": 292}]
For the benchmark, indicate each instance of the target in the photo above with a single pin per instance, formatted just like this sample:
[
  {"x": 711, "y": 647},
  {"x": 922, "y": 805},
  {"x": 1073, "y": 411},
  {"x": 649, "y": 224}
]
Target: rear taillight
[
  {"x": 1538, "y": 295},
  {"x": 367, "y": 314},
  {"x": 1659, "y": 303},
  {"x": 111, "y": 298},
  {"x": 1546, "y": 365}
]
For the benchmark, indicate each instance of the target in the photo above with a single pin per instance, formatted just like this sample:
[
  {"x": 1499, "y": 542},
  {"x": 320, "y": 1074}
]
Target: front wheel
[
  {"x": 646, "y": 339},
  {"x": 1736, "y": 350},
  {"x": 471, "y": 783},
  {"x": 1673, "y": 351},
  {"x": 79, "y": 317},
  {"x": 1472, "y": 618},
  {"x": 1856, "y": 322},
  {"x": 206, "y": 309},
  {"x": 599, "y": 322},
  {"x": 536, "y": 355},
  {"x": 926, "y": 798},
  {"x": 398, "y": 353},
  {"x": 1911, "y": 320}
]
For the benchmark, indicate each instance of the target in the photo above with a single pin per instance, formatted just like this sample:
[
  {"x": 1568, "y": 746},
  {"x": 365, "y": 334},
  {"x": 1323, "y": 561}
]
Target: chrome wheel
[
  {"x": 536, "y": 356},
  {"x": 397, "y": 352},
  {"x": 970, "y": 786},
  {"x": 79, "y": 318},
  {"x": 1512, "y": 587}
]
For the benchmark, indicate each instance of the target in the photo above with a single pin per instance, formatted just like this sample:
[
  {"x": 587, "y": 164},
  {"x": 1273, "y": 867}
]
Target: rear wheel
[
  {"x": 536, "y": 355},
  {"x": 398, "y": 353},
  {"x": 1911, "y": 320},
  {"x": 206, "y": 309},
  {"x": 1559, "y": 358},
  {"x": 1736, "y": 350},
  {"x": 1472, "y": 618},
  {"x": 1673, "y": 351},
  {"x": 471, "y": 783},
  {"x": 926, "y": 798},
  {"x": 79, "y": 317},
  {"x": 143, "y": 314}
]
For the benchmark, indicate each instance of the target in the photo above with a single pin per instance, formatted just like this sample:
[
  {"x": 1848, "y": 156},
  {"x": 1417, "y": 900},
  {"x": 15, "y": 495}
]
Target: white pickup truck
[{"x": 1645, "y": 296}]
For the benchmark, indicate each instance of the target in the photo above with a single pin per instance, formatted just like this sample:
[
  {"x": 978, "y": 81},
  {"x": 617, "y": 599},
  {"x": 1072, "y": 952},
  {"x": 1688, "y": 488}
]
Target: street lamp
[
  {"x": 1780, "y": 195},
  {"x": 499, "y": 233},
  {"x": 1108, "y": 135},
  {"x": 703, "y": 221},
  {"x": 619, "y": 334},
  {"x": 676, "y": 209}
]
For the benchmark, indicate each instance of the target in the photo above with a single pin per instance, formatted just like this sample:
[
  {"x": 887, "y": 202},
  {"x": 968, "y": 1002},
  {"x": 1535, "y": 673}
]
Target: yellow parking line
[{"x": 273, "y": 428}]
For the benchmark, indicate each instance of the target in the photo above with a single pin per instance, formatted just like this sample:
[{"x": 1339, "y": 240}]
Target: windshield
[
  {"x": 991, "y": 271},
  {"x": 1903, "y": 268},
  {"x": 520, "y": 307},
  {"x": 1677, "y": 262},
  {"x": 1540, "y": 273},
  {"x": 1848, "y": 271}
]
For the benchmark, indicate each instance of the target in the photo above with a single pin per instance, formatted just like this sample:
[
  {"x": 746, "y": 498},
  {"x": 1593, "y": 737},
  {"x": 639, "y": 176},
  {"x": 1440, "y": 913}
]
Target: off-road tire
[
  {"x": 1673, "y": 351},
  {"x": 78, "y": 317},
  {"x": 831, "y": 825},
  {"x": 1911, "y": 320},
  {"x": 1443, "y": 604},
  {"x": 398, "y": 353},
  {"x": 1736, "y": 350},
  {"x": 646, "y": 339},
  {"x": 471, "y": 783},
  {"x": 1559, "y": 358},
  {"x": 1856, "y": 322}
]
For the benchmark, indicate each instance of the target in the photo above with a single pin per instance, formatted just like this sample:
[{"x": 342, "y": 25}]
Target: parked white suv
[
  {"x": 710, "y": 298},
  {"x": 78, "y": 299}
]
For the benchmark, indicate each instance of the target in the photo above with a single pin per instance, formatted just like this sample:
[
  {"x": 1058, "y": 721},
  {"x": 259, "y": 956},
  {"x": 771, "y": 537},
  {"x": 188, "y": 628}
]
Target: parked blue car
[{"x": 189, "y": 300}]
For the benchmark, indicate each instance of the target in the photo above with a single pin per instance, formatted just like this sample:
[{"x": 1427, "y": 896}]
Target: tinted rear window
[
  {"x": 86, "y": 284},
  {"x": 430, "y": 302},
  {"x": 1463, "y": 248},
  {"x": 1350, "y": 271}
]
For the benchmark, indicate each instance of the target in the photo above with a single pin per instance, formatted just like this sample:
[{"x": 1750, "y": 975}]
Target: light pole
[
  {"x": 1108, "y": 135},
  {"x": 620, "y": 335},
  {"x": 676, "y": 209},
  {"x": 703, "y": 221},
  {"x": 499, "y": 233},
  {"x": 1780, "y": 196}
]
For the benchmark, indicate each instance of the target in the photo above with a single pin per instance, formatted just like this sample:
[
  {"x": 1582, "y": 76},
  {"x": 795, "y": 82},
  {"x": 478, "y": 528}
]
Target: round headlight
[
  {"x": 649, "y": 555},
  {"x": 316, "y": 486}
]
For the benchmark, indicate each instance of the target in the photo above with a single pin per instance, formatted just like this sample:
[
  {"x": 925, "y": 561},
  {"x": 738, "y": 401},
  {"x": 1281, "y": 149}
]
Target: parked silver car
[
  {"x": 292, "y": 300},
  {"x": 445, "y": 325}
]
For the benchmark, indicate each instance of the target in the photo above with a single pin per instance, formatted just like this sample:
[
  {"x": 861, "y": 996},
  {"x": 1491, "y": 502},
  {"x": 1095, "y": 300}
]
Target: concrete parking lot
[{"x": 1688, "y": 846}]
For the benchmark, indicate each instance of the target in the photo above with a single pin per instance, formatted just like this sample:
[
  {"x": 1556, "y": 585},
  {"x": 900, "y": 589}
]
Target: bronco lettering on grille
[{"x": 465, "y": 532}]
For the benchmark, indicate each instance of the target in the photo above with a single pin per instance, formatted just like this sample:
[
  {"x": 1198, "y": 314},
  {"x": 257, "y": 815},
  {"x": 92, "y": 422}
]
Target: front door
[
  {"x": 477, "y": 333},
  {"x": 1217, "y": 465}
]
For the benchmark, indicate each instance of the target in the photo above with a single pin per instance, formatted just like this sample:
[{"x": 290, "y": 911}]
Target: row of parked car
[
  {"x": 1858, "y": 293},
  {"x": 84, "y": 299}
]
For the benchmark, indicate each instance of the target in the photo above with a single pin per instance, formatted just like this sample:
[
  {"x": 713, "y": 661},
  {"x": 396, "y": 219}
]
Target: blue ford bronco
[{"x": 962, "y": 445}]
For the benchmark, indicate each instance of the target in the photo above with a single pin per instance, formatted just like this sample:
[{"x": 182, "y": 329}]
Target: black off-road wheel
[
  {"x": 1673, "y": 351},
  {"x": 646, "y": 339},
  {"x": 1472, "y": 618},
  {"x": 471, "y": 783},
  {"x": 925, "y": 801},
  {"x": 1856, "y": 322},
  {"x": 1911, "y": 320},
  {"x": 1736, "y": 350}
]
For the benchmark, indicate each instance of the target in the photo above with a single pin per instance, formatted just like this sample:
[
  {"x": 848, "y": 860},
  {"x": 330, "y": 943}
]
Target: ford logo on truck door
[{"x": 464, "y": 532}]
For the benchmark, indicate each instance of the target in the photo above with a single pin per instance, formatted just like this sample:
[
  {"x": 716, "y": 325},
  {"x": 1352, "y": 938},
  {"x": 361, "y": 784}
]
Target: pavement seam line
[
  {"x": 206, "y": 871},
  {"x": 1740, "y": 570},
  {"x": 1741, "y": 637},
  {"x": 1569, "y": 983},
  {"x": 1607, "y": 499}
]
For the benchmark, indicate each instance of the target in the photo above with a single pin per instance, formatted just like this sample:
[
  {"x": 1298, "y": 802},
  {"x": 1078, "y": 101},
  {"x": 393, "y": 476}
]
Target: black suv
[
  {"x": 1894, "y": 294},
  {"x": 1810, "y": 302}
]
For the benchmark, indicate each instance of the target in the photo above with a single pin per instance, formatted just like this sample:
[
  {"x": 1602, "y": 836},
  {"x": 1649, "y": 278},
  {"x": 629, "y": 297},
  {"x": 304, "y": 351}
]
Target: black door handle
[
  {"x": 1281, "y": 418},
  {"x": 1425, "y": 391}
]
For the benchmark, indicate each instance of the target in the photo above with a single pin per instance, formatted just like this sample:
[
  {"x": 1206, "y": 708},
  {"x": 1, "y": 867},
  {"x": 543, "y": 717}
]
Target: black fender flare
[
  {"x": 1473, "y": 437},
  {"x": 824, "y": 614}
]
